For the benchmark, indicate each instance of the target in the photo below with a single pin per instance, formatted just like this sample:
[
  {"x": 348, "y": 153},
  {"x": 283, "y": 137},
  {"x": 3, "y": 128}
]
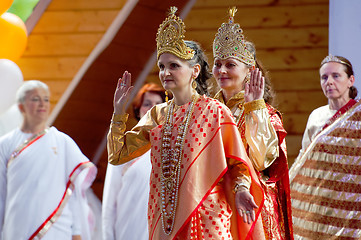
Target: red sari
[
  {"x": 277, "y": 187},
  {"x": 276, "y": 211}
]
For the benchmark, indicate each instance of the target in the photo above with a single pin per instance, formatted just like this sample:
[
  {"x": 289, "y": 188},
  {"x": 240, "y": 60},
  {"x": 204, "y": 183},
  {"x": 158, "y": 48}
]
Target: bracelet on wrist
[{"x": 239, "y": 187}]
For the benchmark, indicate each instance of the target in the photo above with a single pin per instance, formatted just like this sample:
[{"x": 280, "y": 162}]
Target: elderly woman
[
  {"x": 325, "y": 178},
  {"x": 196, "y": 151},
  {"x": 43, "y": 176},
  {"x": 249, "y": 95},
  {"x": 126, "y": 187}
]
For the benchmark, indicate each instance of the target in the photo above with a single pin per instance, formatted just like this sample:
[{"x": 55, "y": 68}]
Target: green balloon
[{"x": 23, "y": 8}]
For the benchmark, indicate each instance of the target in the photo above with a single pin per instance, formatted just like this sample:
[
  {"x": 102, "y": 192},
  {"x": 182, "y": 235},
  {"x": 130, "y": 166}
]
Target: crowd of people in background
[{"x": 195, "y": 166}]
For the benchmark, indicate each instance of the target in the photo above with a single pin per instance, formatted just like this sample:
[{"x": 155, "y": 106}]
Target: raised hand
[
  {"x": 122, "y": 93},
  {"x": 254, "y": 89},
  {"x": 245, "y": 206}
]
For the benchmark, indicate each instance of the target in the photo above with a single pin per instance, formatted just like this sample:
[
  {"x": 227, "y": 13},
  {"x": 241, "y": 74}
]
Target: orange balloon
[
  {"x": 5, "y": 5},
  {"x": 13, "y": 36}
]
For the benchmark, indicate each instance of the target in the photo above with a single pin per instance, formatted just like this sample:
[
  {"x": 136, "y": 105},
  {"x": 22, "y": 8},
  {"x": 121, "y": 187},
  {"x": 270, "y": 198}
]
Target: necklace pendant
[{"x": 169, "y": 185}]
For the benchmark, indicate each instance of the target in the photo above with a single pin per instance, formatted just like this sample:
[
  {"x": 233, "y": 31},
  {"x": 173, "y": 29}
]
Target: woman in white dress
[
  {"x": 126, "y": 187},
  {"x": 43, "y": 176}
]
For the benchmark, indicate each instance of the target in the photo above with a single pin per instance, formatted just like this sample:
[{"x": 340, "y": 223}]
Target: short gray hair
[{"x": 28, "y": 86}]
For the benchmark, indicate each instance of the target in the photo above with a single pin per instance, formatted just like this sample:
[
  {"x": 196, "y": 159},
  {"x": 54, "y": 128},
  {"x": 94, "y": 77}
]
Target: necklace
[{"x": 171, "y": 159}]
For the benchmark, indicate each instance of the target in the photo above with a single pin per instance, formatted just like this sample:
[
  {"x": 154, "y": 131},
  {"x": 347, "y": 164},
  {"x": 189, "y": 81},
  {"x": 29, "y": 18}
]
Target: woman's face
[
  {"x": 174, "y": 73},
  {"x": 334, "y": 81},
  {"x": 229, "y": 73},
  {"x": 36, "y": 105},
  {"x": 149, "y": 100}
]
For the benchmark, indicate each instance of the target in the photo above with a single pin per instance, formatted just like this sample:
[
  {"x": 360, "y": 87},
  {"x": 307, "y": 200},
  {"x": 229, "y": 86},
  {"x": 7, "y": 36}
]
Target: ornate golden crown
[
  {"x": 170, "y": 37},
  {"x": 229, "y": 42},
  {"x": 331, "y": 58}
]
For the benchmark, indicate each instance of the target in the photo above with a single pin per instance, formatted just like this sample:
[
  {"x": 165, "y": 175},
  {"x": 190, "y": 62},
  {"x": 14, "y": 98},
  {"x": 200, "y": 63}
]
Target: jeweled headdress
[
  {"x": 332, "y": 58},
  {"x": 170, "y": 37},
  {"x": 229, "y": 42}
]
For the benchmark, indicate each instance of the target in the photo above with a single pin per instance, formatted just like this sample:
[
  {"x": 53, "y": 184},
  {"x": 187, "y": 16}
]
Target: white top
[
  {"x": 33, "y": 185},
  {"x": 316, "y": 121},
  {"x": 125, "y": 200}
]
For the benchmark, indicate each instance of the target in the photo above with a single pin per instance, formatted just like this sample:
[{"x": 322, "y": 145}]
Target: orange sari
[{"x": 205, "y": 202}]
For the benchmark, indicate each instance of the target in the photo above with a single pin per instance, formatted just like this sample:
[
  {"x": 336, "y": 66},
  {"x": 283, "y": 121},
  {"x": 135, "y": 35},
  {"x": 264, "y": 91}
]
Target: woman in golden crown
[
  {"x": 196, "y": 149},
  {"x": 248, "y": 95}
]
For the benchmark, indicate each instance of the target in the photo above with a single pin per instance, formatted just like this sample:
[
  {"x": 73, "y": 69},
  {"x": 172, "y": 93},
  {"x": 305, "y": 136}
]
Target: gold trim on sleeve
[{"x": 254, "y": 105}]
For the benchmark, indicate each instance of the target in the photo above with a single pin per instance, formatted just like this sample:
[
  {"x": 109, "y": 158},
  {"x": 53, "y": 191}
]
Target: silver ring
[
  {"x": 247, "y": 212},
  {"x": 122, "y": 84}
]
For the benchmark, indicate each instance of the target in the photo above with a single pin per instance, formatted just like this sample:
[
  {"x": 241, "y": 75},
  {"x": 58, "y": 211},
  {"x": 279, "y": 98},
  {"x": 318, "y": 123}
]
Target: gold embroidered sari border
[
  {"x": 346, "y": 132},
  {"x": 326, "y": 220},
  {"x": 329, "y": 184},
  {"x": 305, "y": 233},
  {"x": 42, "y": 230},
  {"x": 337, "y": 149},
  {"x": 333, "y": 166},
  {"x": 326, "y": 202},
  {"x": 26, "y": 144}
]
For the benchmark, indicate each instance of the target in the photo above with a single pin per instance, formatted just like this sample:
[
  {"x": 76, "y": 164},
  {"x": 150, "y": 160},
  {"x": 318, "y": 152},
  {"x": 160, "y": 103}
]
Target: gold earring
[
  {"x": 166, "y": 96},
  {"x": 194, "y": 84}
]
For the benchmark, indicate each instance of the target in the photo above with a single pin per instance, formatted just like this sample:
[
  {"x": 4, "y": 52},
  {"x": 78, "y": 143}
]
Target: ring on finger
[{"x": 248, "y": 212}]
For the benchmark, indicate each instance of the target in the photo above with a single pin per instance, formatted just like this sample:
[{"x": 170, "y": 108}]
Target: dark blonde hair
[{"x": 201, "y": 59}]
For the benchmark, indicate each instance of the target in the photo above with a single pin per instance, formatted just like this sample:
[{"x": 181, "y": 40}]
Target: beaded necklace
[{"x": 170, "y": 164}]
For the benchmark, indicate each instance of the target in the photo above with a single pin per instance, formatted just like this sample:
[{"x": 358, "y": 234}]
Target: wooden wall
[
  {"x": 63, "y": 38},
  {"x": 291, "y": 39}
]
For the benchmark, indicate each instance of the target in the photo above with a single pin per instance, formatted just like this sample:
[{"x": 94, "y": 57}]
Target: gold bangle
[
  {"x": 254, "y": 105},
  {"x": 237, "y": 186}
]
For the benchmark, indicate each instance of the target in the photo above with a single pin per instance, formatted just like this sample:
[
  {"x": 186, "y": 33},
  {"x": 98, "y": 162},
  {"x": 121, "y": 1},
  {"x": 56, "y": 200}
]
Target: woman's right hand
[
  {"x": 245, "y": 205},
  {"x": 122, "y": 93}
]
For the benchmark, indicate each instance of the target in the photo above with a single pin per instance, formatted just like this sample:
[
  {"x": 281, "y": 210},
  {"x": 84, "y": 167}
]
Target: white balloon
[
  {"x": 10, "y": 119},
  {"x": 11, "y": 78}
]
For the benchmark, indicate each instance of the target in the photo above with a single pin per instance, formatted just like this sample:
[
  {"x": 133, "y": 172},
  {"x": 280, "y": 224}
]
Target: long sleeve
[
  {"x": 124, "y": 146},
  {"x": 260, "y": 135},
  {"x": 112, "y": 185},
  {"x": 240, "y": 176},
  {"x": 76, "y": 215},
  {"x": 315, "y": 123}
]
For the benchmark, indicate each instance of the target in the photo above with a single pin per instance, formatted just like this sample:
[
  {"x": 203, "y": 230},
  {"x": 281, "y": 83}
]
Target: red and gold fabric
[
  {"x": 263, "y": 135},
  {"x": 214, "y": 160},
  {"x": 325, "y": 182}
]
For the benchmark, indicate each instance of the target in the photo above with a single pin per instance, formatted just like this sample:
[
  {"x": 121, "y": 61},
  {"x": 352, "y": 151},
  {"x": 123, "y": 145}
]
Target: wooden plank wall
[
  {"x": 63, "y": 38},
  {"x": 291, "y": 39}
]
